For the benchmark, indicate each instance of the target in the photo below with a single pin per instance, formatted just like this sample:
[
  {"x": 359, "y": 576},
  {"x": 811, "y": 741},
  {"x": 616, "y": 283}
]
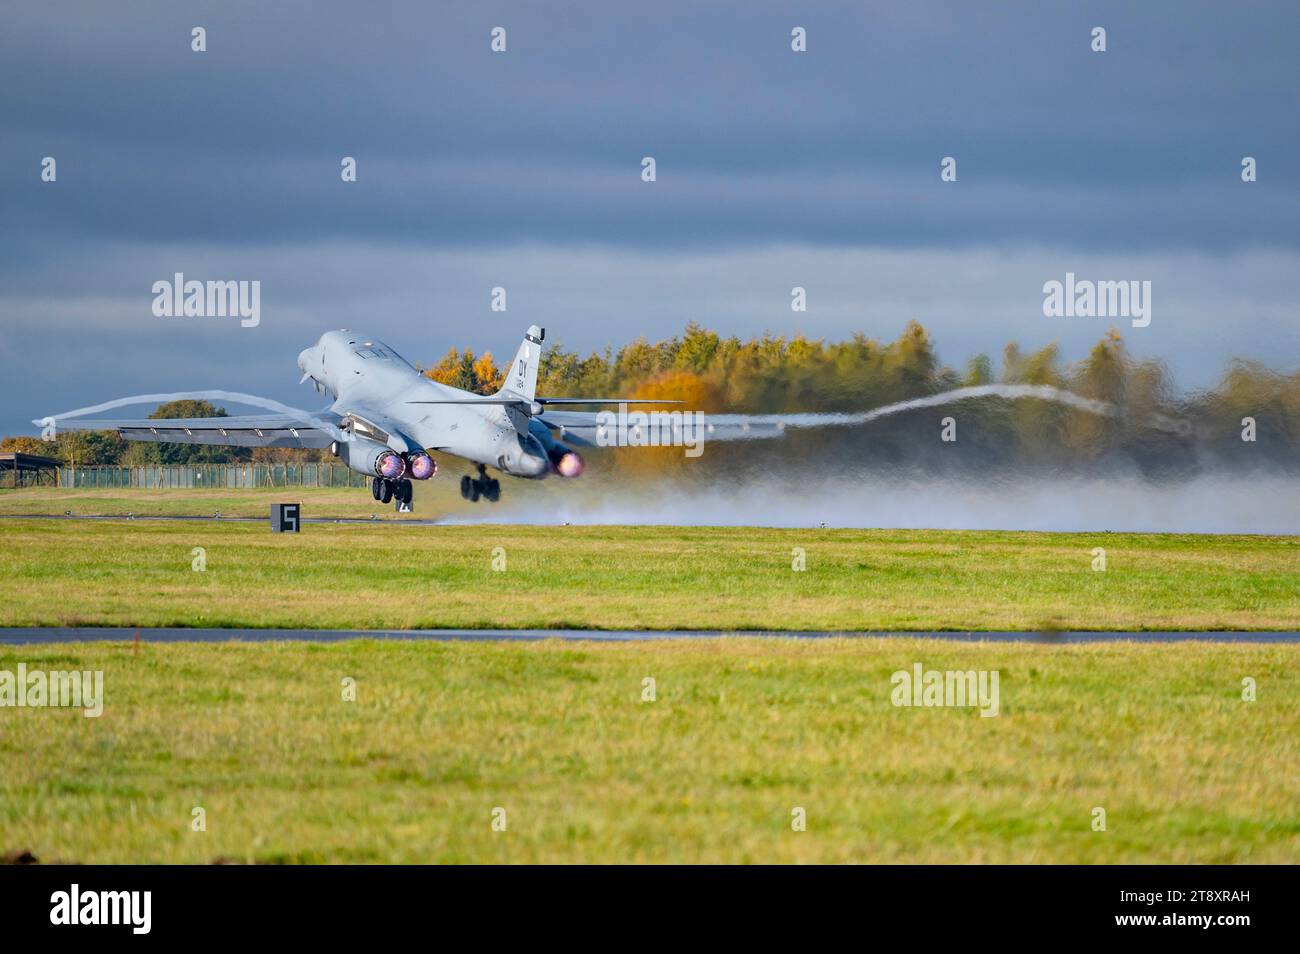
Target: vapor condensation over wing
[
  {"x": 303, "y": 417},
  {"x": 1041, "y": 392}
]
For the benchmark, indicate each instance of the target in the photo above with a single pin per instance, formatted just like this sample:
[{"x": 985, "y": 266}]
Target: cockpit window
[{"x": 370, "y": 351}]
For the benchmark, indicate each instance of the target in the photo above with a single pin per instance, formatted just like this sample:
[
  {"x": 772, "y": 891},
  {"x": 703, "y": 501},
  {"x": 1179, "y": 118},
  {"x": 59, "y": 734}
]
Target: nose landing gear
[{"x": 472, "y": 488}]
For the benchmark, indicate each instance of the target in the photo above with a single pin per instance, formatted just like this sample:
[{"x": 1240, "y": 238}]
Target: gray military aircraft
[{"x": 387, "y": 417}]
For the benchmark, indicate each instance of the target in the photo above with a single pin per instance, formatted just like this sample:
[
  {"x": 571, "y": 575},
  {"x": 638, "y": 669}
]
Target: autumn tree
[
  {"x": 460, "y": 369},
  {"x": 172, "y": 453},
  {"x": 1102, "y": 376}
]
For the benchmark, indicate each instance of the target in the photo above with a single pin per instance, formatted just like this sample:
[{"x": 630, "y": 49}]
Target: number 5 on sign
[{"x": 284, "y": 518}]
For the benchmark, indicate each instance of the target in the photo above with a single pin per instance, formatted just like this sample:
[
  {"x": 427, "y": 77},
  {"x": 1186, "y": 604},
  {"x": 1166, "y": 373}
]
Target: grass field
[
  {"x": 140, "y": 573},
  {"x": 432, "y": 499},
  {"x": 741, "y": 732}
]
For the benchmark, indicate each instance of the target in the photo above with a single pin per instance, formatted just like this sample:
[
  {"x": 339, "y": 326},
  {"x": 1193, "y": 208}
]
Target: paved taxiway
[{"x": 88, "y": 634}]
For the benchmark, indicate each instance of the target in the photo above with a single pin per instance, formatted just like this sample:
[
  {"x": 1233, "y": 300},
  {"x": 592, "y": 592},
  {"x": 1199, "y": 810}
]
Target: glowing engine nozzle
[
  {"x": 422, "y": 466},
  {"x": 389, "y": 465},
  {"x": 569, "y": 465}
]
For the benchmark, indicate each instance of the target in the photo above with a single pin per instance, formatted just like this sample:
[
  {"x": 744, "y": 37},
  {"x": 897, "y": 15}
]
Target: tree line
[{"x": 775, "y": 374}]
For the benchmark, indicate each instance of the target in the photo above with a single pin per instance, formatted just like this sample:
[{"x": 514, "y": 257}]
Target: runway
[
  {"x": 406, "y": 520},
  {"x": 79, "y": 634}
]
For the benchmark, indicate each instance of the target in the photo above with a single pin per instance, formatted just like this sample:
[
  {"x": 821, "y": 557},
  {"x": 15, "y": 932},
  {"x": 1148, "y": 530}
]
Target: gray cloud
[
  {"x": 522, "y": 169},
  {"x": 1136, "y": 147}
]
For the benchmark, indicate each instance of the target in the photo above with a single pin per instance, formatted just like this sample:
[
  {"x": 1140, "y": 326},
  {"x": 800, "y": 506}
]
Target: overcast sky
[{"x": 523, "y": 169}]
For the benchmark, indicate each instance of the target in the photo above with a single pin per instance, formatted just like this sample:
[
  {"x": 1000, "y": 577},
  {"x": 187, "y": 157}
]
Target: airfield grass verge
[
  {"x": 741, "y": 732},
  {"x": 141, "y": 573},
  {"x": 435, "y": 498}
]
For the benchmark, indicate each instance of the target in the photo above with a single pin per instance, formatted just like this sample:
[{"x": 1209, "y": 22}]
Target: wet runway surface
[{"x": 21, "y": 636}]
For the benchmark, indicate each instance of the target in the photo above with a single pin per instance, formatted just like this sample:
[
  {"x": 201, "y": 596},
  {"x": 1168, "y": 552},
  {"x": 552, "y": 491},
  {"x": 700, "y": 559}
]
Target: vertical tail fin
[{"x": 521, "y": 379}]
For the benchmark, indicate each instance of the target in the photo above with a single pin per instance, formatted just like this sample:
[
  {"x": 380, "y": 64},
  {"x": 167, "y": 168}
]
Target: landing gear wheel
[
  {"x": 404, "y": 492},
  {"x": 472, "y": 489},
  {"x": 386, "y": 493},
  {"x": 377, "y": 487}
]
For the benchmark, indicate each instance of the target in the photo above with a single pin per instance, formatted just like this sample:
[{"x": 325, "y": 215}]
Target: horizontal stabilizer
[
  {"x": 544, "y": 401},
  {"x": 582, "y": 400},
  {"x": 585, "y": 428},
  {"x": 479, "y": 400}
]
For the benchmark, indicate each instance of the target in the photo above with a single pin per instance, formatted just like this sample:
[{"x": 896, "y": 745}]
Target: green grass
[
  {"x": 741, "y": 732},
  {"x": 440, "y": 497},
  {"x": 139, "y": 573}
]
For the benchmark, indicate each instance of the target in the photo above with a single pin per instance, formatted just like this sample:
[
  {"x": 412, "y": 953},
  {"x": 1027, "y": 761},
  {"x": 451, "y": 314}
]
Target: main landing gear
[
  {"x": 472, "y": 488},
  {"x": 385, "y": 490}
]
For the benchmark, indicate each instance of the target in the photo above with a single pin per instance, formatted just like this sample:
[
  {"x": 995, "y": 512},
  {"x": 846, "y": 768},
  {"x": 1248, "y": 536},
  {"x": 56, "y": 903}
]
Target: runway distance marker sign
[{"x": 284, "y": 517}]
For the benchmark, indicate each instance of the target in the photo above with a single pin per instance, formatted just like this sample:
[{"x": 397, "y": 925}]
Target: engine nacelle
[
  {"x": 421, "y": 466},
  {"x": 371, "y": 458}
]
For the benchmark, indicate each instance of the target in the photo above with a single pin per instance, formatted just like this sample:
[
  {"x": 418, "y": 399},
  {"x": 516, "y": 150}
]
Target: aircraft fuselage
[{"x": 373, "y": 384}]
